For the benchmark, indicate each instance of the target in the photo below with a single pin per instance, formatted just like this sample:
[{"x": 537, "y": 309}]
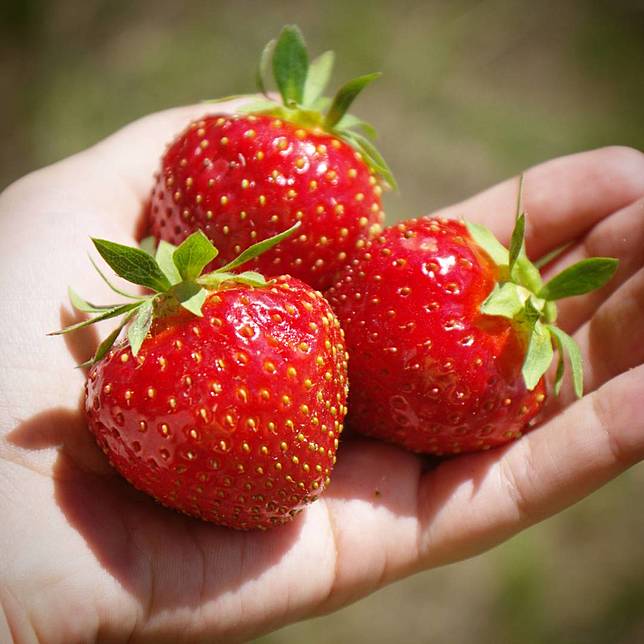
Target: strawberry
[
  {"x": 226, "y": 402},
  {"x": 450, "y": 335},
  {"x": 247, "y": 176}
]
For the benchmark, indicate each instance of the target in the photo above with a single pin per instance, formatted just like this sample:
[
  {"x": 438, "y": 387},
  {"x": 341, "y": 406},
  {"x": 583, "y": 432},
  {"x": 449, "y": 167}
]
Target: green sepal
[
  {"x": 260, "y": 106},
  {"x": 560, "y": 363},
  {"x": 164, "y": 259},
  {"x": 301, "y": 84},
  {"x": 257, "y": 249},
  {"x": 140, "y": 326},
  {"x": 567, "y": 344},
  {"x": 525, "y": 272},
  {"x": 148, "y": 245},
  {"x": 553, "y": 254},
  {"x": 249, "y": 278},
  {"x": 488, "y": 242},
  {"x": 106, "y": 345},
  {"x": 345, "y": 96},
  {"x": 290, "y": 65},
  {"x": 105, "y": 315},
  {"x": 264, "y": 64},
  {"x": 538, "y": 356},
  {"x": 521, "y": 296},
  {"x": 504, "y": 300},
  {"x": 517, "y": 243},
  {"x": 349, "y": 121},
  {"x": 224, "y": 99},
  {"x": 371, "y": 155},
  {"x": 191, "y": 296},
  {"x": 87, "y": 307},
  {"x": 132, "y": 264},
  {"x": 318, "y": 77},
  {"x": 582, "y": 277},
  {"x": 114, "y": 288},
  {"x": 193, "y": 255}
]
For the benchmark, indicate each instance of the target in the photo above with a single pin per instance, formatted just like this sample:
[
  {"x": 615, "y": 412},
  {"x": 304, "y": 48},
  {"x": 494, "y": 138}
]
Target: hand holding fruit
[{"x": 131, "y": 568}]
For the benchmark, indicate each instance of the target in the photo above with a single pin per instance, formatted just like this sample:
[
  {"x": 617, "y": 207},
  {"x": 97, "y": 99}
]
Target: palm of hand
[{"x": 75, "y": 529}]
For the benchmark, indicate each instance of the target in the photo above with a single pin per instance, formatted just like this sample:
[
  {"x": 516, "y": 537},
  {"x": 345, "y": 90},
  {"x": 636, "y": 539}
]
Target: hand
[{"x": 84, "y": 556}]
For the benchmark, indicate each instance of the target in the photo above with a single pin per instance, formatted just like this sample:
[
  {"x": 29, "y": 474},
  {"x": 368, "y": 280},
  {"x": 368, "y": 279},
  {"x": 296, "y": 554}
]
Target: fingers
[
  {"x": 611, "y": 341},
  {"x": 137, "y": 148},
  {"x": 620, "y": 235},
  {"x": 563, "y": 198},
  {"x": 113, "y": 177},
  {"x": 474, "y": 502}
]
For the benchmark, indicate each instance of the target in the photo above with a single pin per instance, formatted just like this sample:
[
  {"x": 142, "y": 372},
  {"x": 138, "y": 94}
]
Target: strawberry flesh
[
  {"x": 245, "y": 178},
  {"x": 428, "y": 370},
  {"x": 233, "y": 417}
]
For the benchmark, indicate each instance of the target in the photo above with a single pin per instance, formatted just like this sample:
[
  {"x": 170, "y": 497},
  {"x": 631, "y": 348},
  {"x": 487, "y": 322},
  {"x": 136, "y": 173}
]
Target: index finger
[{"x": 563, "y": 198}]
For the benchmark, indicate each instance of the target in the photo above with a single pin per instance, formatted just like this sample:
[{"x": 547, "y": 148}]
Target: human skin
[{"x": 85, "y": 557}]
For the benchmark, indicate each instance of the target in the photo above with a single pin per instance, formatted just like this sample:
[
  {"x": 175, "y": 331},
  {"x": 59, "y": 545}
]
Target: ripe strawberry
[
  {"x": 248, "y": 176},
  {"x": 450, "y": 335},
  {"x": 229, "y": 410}
]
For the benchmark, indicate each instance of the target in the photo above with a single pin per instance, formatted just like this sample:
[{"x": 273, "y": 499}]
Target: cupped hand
[{"x": 83, "y": 556}]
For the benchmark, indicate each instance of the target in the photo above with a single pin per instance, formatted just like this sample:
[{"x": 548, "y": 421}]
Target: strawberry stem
[
  {"x": 521, "y": 296},
  {"x": 174, "y": 274}
]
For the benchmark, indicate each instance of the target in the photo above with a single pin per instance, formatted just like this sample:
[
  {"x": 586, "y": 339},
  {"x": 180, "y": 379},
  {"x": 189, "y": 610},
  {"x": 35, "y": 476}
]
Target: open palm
[{"x": 83, "y": 556}]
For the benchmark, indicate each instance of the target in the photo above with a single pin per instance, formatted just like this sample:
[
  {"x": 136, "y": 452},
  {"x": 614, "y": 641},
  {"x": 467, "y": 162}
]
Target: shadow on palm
[{"x": 174, "y": 561}]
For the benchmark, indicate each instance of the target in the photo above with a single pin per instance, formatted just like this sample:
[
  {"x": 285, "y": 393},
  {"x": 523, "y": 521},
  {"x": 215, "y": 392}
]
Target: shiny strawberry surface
[
  {"x": 242, "y": 179},
  {"x": 233, "y": 417},
  {"x": 429, "y": 371}
]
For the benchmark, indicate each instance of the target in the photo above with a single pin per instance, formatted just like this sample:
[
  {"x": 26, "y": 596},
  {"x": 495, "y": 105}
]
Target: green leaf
[
  {"x": 318, "y": 77},
  {"x": 553, "y": 254},
  {"x": 582, "y": 277},
  {"x": 193, "y": 254},
  {"x": 105, "y": 315},
  {"x": 104, "y": 346},
  {"x": 264, "y": 64},
  {"x": 257, "y": 249},
  {"x": 114, "y": 288},
  {"x": 191, "y": 296},
  {"x": 560, "y": 364},
  {"x": 373, "y": 158},
  {"x": 259, "y": 106},
  {"x": 349, "y": 121},
  {"x": 224, "y": 99},
  {"x": 290, "y": 65},
  {"x": 321, "y": 104},
  {"x": 345, "y": 96},
  {"x": 504, "y": 300},
  {"x": 166, "y": 263},
  {"x": 132, "y": 264},
  {"x": 488, "y": 242},
  {"x": 140, "y": 326},
  {"x": 148, "y": 244},
  {"x": 87, "y": 307},
  {"x": 517, "y": 246},
  {"x": 527, "y": 274},
  {"x": 574, "y": 357},
  {"x": 250, "y": 278},
  {"x": 538, "y": 356}
]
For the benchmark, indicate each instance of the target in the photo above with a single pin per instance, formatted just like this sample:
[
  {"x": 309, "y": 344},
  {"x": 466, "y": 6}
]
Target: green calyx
[
  {"x": 301, "y": 86},
  {"x": 520, "y": 295},
  {"x": 175, "y": 276}
]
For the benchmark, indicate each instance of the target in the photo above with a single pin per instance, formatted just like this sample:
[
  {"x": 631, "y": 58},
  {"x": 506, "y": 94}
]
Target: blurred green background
[{"x": 473, "y": 92}]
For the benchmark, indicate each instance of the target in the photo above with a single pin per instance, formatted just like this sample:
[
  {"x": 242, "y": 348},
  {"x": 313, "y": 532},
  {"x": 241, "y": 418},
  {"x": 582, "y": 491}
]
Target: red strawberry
[
  {"x": 231, "y": 414},
  {"x": 450, "y": 335},
  {"x": 247, "y": 176}
]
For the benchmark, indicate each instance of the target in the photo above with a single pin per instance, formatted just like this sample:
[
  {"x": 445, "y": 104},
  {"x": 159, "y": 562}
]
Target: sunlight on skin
[{"x": 75, "y": 534}]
